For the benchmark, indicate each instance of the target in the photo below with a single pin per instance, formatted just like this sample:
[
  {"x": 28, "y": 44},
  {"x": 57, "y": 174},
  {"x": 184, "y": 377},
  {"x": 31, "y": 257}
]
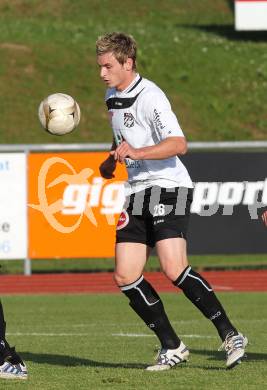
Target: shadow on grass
[
  {"x": 73, "y": 361},
  {"x": 229, "y": 32}
]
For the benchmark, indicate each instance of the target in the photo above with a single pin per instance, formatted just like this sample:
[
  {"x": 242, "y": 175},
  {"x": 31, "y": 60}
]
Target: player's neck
[{"x": 128, "y": 81}]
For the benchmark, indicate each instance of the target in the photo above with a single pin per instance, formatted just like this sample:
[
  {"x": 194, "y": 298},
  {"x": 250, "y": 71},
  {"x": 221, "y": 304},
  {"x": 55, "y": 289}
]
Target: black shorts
[{"x": 155, "y": 214}]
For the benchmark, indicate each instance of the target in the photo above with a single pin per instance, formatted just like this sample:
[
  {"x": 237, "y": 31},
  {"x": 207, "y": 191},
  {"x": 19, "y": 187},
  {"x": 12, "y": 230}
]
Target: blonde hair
[{"x": 123, "y": 46}]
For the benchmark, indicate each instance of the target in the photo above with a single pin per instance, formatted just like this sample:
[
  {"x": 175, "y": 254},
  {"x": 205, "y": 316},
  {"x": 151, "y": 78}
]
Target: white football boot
[
  {"x": 13, "y": 371},
  {"x": 11, "y": 364},
  {"x": 168, "y": 358},
  {"x": 234, "y": 346}
]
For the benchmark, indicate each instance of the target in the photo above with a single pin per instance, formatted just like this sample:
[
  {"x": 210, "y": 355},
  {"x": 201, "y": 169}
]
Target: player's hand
[
  {"x": 124, "y": 150},
  {"x": 264, "y": 218},
  {"x": 107, "y": 168}
]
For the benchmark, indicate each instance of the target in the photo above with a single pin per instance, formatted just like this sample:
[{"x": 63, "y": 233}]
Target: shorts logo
[
  {"x": 128, "y": 119},
  {"x": 123, "y": 220},
  {"x": 158, "y": 221}
]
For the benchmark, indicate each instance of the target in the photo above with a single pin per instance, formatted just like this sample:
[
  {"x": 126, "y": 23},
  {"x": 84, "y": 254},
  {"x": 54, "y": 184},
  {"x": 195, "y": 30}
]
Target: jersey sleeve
[{"x": 160, "y": 116}]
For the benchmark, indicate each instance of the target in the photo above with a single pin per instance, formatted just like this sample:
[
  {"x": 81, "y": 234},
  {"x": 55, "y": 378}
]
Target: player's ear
[{"x": 129, "y": 64}]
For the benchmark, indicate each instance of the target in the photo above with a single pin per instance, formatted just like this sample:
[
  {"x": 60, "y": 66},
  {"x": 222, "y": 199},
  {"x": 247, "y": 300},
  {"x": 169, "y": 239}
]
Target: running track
[{"x": 103, "y": 283}]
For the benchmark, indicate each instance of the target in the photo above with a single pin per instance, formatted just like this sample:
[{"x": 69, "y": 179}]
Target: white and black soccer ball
[{"x": 59, "y": 114}]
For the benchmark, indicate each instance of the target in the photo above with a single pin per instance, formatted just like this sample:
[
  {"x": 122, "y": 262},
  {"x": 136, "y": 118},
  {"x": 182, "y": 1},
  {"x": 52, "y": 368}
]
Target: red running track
[{"x": 103, "y": 282}]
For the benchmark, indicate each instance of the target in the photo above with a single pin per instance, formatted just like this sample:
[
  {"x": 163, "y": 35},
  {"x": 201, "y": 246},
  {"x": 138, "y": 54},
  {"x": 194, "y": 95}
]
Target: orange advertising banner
[{"x": 72, "y": 210}]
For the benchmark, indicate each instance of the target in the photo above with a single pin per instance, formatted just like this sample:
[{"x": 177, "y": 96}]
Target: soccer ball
[{"x": 59, "y": 113}]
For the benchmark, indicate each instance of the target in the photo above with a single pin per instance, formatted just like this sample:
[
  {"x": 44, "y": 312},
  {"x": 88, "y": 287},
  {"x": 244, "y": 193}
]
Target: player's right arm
[{"x": 108, "y": 166}]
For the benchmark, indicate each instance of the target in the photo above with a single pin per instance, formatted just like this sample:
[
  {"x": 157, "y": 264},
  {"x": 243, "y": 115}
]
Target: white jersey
[{"x": 142, "y": 116}]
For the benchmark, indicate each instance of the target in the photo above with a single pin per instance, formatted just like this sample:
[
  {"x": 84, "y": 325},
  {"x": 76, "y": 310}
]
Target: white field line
[
  {"x": 189, "y": 336},
  {"x": 43, "y": 334},
  {"x": 111, "y": 325},
  {"x": 48, "y": 334}
]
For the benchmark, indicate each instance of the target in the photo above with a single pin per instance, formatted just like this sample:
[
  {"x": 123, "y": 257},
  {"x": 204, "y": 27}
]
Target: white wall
[{"x": 251, "y": 15}]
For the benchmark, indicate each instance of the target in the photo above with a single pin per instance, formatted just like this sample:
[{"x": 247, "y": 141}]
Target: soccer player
[
  {"x": 11, "y": 365},
  {"x": 148, "y": 138}
]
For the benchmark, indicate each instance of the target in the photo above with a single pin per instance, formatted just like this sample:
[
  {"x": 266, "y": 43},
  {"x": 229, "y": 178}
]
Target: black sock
[
  {"x": 200, "y": 293},
  {"x": 147, "y": 304},
  {"x": 3, "y": 344},
  {"x": 2, "y": 323},
  {"x": 6, "y": 352}
]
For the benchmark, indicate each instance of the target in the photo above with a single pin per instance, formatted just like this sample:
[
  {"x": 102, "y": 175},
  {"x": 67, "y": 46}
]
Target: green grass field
[
  {"x": 79, "y": 342},
  {"x": 216, "y": 78}
]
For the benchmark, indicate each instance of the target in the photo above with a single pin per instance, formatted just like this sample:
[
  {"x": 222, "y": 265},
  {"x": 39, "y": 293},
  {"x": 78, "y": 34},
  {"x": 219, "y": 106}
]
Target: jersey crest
[{"x": 128, "y": 119}]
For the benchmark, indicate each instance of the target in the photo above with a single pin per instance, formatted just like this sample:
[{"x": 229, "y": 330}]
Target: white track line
[{"x": 226, "y": 288}]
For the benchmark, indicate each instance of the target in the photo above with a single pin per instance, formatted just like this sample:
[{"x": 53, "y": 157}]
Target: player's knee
[
  {"x": 171, "y": 272},
  {"x": 121, "y": 280},
  {"x": 117, "y": 279}
]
